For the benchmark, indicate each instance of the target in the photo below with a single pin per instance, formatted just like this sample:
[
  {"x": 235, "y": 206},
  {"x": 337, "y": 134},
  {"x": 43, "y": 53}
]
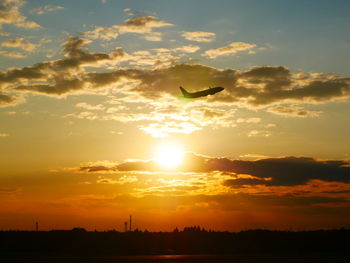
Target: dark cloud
[
  {"x": 145, "y": 21},
  {"x": 257, "y": 87},
  {"x": 293, "y": 111},
  {"x": 96, "y": 168},
  {"x": 272, "y": 78},
  {"x": 137, "y": 166},
  {"x": 60, "y": 87},
  {"x": 76, "y": 56},
  {"x": 239, "y": 182},
  {"x": 271, "y": 171},
  {"x": 314, "y": 92},
  {"x": 263, "y": 86},
  {"x": 293, "y": 170},
  {"x": 284, "y": 171},
  {"x": 7, "y": 100},
  {"x": 60, "y": 76}
]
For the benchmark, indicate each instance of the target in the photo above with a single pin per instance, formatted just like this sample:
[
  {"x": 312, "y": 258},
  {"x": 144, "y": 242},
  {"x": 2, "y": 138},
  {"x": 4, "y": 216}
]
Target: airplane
[{"x": 203, "y": 93}]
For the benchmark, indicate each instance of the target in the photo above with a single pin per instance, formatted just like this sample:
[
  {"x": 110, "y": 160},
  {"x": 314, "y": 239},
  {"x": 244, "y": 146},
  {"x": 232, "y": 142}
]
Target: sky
[{"x": 93, "y": 126}]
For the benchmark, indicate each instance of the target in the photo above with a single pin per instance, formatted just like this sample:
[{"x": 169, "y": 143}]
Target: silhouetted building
[
  {"x": 194, "y": 229},
  {"x": 79, "y": 229}
]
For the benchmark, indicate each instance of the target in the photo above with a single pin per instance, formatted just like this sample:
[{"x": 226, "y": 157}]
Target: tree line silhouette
[{"x": 192, "y": 240}]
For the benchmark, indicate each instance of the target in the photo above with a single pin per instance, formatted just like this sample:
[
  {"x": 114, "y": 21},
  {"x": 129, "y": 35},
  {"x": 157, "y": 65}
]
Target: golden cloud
[
  {"x": 136, "y": 25},
  {"x": 19, "y": 43},
  {"x": 232, "y": 48},
  {"x": 10, "y": 14},
  {"x": 46, "y": 9},
  {"x": 199, "y": 36},
  {"x": 257, "y": 87}
]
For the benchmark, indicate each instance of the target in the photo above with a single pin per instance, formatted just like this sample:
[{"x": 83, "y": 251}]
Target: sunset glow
[{"x": 94, "y": 126}]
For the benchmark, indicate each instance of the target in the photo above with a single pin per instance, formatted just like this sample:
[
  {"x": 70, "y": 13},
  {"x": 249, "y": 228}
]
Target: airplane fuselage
[{"x": 202, "y": 93}]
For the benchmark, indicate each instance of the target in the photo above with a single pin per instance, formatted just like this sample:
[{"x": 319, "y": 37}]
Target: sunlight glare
[{"x": 169, "y": 156}]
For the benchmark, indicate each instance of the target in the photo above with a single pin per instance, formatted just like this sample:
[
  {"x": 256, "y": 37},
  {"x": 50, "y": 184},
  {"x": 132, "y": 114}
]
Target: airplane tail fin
[{"x": 184, "y": 92}]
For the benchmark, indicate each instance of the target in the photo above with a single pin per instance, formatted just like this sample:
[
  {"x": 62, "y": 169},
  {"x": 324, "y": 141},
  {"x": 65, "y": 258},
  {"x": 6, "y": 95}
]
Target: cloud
[
  {"x": 188, "y": 49},
  {"x": 2, "y": 134},
  {"x": 60, "y": 76},
  {"x": 291, "y": 170},
  {"x": 96, "y": 168},
  {"x": 125, "y": 179},
  {"x": 19, "y": 43},
  {"x": 231, "y": 184},
  {"x": 87, "y": 106},
  {"x": 165, "y": 117},
  {"x": 136, "y": 25},
  {"x": 258, "y": 133},
  {"x": 155, "y": 36},
  {"x": 88, "y": 115},
  {"x": 160, "y": 57},
  {"x": 293, "y": 111},
  {"x": 199, "y": 36},
  {"x": 10, "y": 14},
  {"x": 193, "y": 77},
  {"x": 253, "y": 156},
  {"x": 283, "y": 171},
  {"x": 248, "y": 120},
  {"x": 11, "y": 54},
  {"x": 270, "y": 125},
  {"x": 277, "y": 84},
  {"x": 213, "y": 189},
  {"x": 46, "y": 9},
  {"x": 142, "y": 24},
  {"x": 159, "y": 74},
  {"x": 164, "y": 129},
  {"x": 105, "y": 33},
  {"x": 232, "y": 48},
  {"x": 7, "y": 100}
]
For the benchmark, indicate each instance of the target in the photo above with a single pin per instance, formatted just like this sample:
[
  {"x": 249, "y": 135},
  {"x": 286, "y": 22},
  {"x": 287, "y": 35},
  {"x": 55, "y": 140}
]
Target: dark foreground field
[
  {"x": 185, "y": 247},
  {"x": 235, "y": 258}
]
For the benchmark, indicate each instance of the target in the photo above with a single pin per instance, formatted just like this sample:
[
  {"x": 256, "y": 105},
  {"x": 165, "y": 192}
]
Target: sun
[{"x": 169, "y": 156}]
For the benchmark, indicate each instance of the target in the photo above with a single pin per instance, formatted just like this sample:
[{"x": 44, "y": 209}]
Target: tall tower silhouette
[
  {"x": 126, "y": 226},
  {"x": 36, "y": 226},
  {"x": 130, "y": 228}
]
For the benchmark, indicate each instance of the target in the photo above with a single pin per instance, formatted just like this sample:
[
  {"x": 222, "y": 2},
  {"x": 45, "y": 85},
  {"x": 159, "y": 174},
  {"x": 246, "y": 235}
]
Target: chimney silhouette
[
  {"x": 130, "y": 228},
  {"x": 36, "y": 226},
  {"x": 126, "y": 226}
]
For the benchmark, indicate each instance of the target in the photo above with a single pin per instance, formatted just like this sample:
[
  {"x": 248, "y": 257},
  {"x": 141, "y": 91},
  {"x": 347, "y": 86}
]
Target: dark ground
[
  {"x": 185, "y": 247},
  {"x": 237, "y": 258}
]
